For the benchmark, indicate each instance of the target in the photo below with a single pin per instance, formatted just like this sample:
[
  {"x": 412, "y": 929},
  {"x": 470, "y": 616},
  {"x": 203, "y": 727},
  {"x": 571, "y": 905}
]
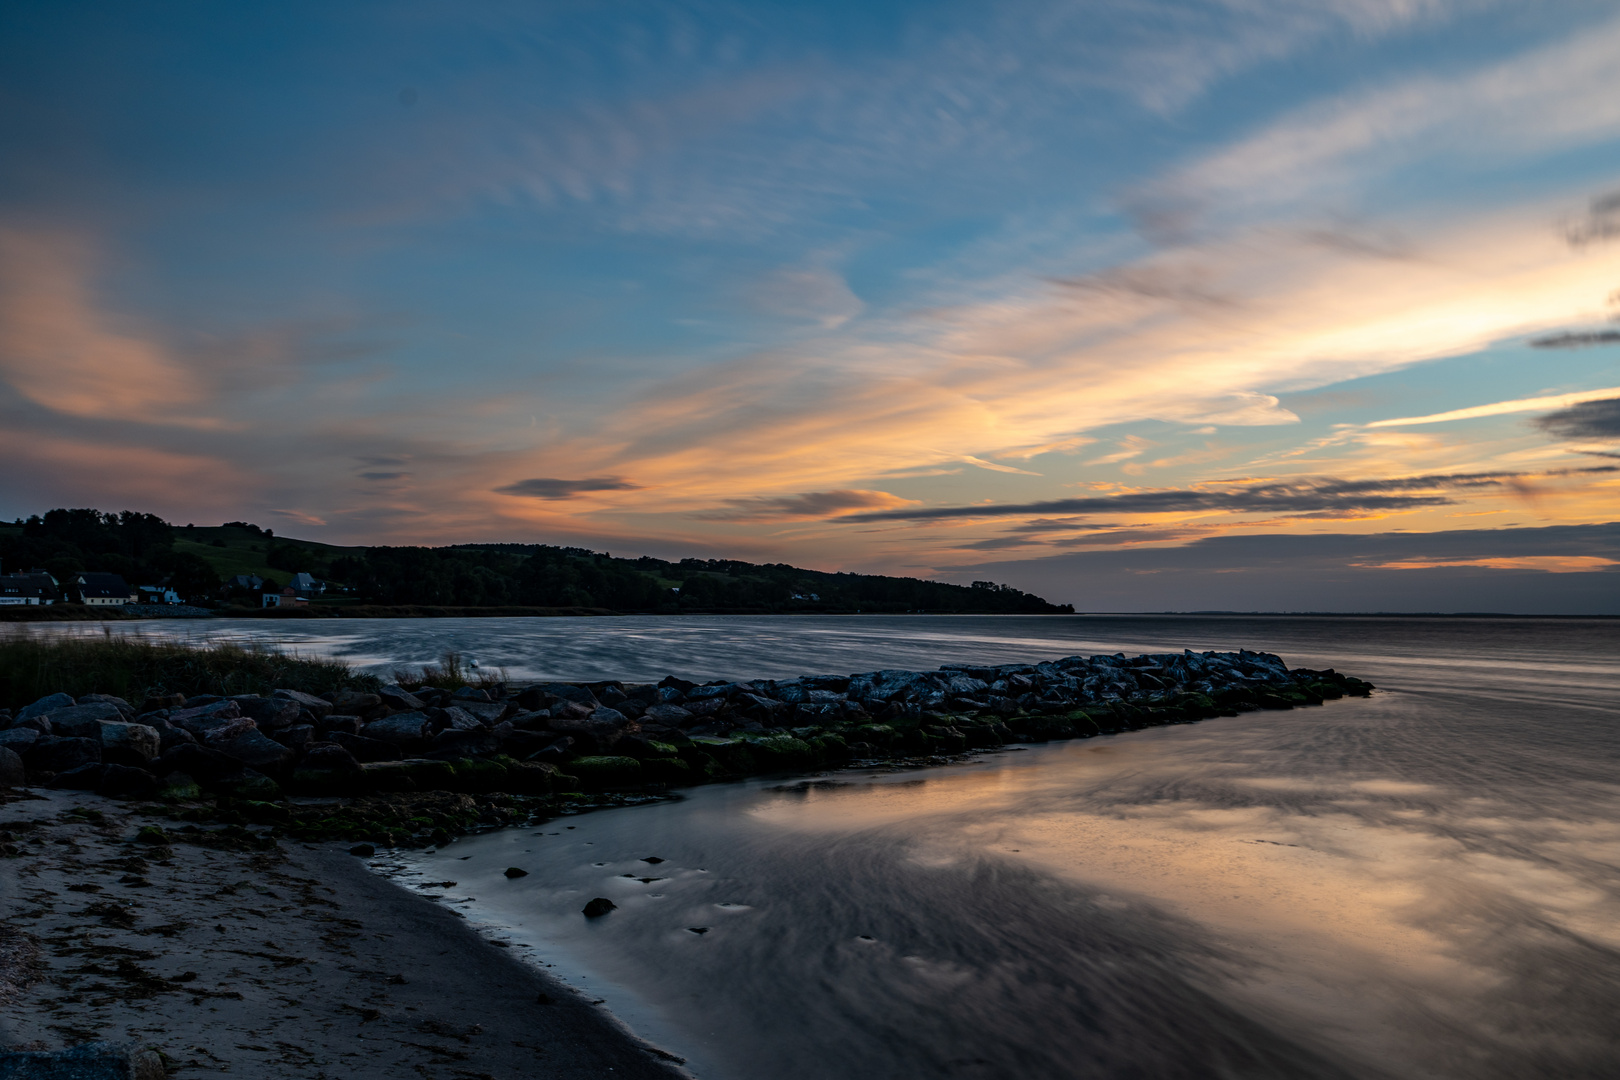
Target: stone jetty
[{"x": 548, "y": 738}]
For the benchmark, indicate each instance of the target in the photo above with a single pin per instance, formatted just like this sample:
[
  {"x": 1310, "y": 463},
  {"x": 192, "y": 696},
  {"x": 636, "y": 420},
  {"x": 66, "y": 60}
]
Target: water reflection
[{"x": 1424, "y": 884}]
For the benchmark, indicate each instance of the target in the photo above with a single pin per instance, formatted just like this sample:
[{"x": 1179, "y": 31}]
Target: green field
[{"x": 231, "y": 551}]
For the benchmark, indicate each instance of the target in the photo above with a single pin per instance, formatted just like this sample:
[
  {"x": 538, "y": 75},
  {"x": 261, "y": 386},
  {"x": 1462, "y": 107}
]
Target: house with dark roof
[
  {"x": 32, "y": 589},
  {"x": 104, "y": 590},
  {"x": 306, "y": 585}
]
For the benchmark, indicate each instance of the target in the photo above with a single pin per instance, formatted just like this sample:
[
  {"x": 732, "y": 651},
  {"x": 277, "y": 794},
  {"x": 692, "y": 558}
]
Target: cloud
[
  {"x": 811, "y": 504},
  {"x": 1564, "y": 569},
  {"x": 1596, "y": 420},
  {"x": 1501, "y": 408},
  {"x": 1304, "y": 495},
  {"x": 815, "y": 294},
  {"x": 546, "y": 488},
  {"x": 61, "y": 351},
  {"x": 1550, "y": 98},
  {"x": 1577, "y": 340}
]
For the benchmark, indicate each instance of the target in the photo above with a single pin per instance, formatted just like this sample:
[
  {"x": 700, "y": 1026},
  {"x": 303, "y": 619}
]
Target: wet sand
[{"x": 294, "y": 961}]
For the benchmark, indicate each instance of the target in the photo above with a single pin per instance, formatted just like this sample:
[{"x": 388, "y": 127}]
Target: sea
[{"x": 1425, "y": 883}]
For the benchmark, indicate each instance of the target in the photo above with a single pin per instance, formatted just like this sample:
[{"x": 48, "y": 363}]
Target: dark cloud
[
  {"x": 1588, "y": 420},
  {"x": 1308, "y": 495},
  {"x": 547, "y": 488},
  {"x": 811, "y": 504},
  {"x": 1602, "y": 222},
  {"x": 1573, "y": 340},
  {"x": 385, "y": 475}
]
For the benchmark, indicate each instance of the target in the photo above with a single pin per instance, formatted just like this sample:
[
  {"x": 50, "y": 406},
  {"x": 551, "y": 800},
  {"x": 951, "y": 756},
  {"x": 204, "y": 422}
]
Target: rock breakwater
[{"x": 552, "y": 738}]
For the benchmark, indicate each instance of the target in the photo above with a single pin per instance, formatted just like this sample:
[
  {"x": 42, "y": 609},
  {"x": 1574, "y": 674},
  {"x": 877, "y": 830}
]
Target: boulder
[
  {"x": 476, "y": 776},
  {"x": 672, "y": 715},
  {"x": 12, "y": 772},
  {"x": 48, "y": 703},
  {"x": 117, "y": 702},
  {"x": 530, "y": 778},
  {"x": 488, "y": 713},
  {"x": 471, "y": 693},
  {"x": 555, "y": 753},
  {"x": 19, "y": 739},
  {"x": 400, "y": 700},
  {"x": 356, "y": 703},
  {"x": 459, "y": 719},
  {"x": 606, "y": 726},
  {"x": 601, "y": 905},
  {"x": 204, "y": 718},
  {"x": 125, "y": 782},
  {"x": 335, "y": 723},
  {"x": 538, "y": 720},
  {"x": 226, "y": 731},
  {"x": 173, "y": 736},
  {"x": 269, "y": 713},
  {"x": 319, "y": 707},
  {"x": 178, "y": 787},
  {"x": 452, "y": 743},
  {"x": 129, "y": 744},
  {"x": 296, "y": 738},
  {"x": 54, "y": 755},
  {"x": 82, "y": 721},
  {"x": 365, "y": 749},
  {"x": 154, "y": 702},
  {"x": 79, "y": 778},
  {"x": 256, "y": 750},
  {"x": 401, "y": 729},
  {"x": 327, "y": 769}
]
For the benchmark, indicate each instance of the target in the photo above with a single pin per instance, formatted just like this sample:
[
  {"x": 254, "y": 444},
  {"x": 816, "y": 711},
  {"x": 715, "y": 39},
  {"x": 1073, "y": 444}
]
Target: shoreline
[{"x": 294, "y": 960}]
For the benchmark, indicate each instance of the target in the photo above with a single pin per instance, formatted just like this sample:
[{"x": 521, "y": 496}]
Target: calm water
[{"x": 1424, "y": 884}]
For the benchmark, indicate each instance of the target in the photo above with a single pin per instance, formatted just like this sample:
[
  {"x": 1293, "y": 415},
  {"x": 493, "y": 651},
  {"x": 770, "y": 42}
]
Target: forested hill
[{"x": 199, "y": 560}]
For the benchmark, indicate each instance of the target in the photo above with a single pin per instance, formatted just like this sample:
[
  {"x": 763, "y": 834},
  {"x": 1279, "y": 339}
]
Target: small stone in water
[
  {"x": 515, "y": 872},
  {"x": 365, "y": 851},
  {"x": 655, "y": 860},
  {"x": 698, "y": 929},
  {"x": 599, "y": 907}
]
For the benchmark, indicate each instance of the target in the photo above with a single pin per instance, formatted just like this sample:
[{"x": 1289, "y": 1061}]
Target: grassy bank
[{"x": 131, "y": 668}]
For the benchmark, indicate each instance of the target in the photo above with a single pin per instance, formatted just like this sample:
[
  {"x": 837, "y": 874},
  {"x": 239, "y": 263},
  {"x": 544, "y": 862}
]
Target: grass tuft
[{"x": 131, "y": 668}]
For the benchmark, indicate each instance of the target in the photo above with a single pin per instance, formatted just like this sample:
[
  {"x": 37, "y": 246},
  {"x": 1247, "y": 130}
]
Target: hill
[{"x": 197, "y": 560}]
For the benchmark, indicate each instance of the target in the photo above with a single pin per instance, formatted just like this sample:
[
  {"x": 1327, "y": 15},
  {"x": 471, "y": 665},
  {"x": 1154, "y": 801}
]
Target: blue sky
[{"x": 841, "y": 285}]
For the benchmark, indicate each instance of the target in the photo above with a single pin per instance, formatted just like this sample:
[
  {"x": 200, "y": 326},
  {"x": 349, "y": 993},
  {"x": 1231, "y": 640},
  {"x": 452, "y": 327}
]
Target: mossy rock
[
  {"x": 1042, "y": 728},
  {"x": 666, "y": 770},
  {"x": 479, "y": 776},
  {"x": 1082, "y": 723},
  {"x": 916, "y": 741},
  {"x": 248, "y": 785},
  {"x": 876, "y": 734},
  {"x": 738, "y": 758},
  {"x": 781, "y": 753},
  {"x": 411, "y": 774},
  {"x": 179, "y": 787},
  {"x": 606, "y": 771},
  {"x": 830, "y": 748}
]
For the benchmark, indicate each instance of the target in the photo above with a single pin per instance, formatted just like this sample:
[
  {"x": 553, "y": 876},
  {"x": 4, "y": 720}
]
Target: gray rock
[
  {"x": 318, "y": 706},
  {"x": 12, "y": 773},
  {"x": 82, "y": 721},
  {"x": 455, "y": 743},
  {"x": 486, "y": 712},
  {"x": 129, "y": 744},
  {"x": 672, "y": 715},
  {"x": 227, "y": 731},
  {"x": 205, "y": 764},
  {"x": 269, "y": 713},
  {"x": 400, "y": 699},
  {"x": 256, "y": 750},
  {"x": 204, "y": 718},
  {"x": 331, "y": 756},
  {"x": 350, "y": 725},
  {"x": 88, "y": 1061},
  {"x": 19, "y": 739},
  {"x": 401, "y": 729},
  {"x": 109, "y": 699},
  {"x": 470, "y": 693},
  {"x": 296, "y": 738},
  {"x": 49, "y": 703},
  {"x": 462, "y": 719},
  {"x": 56, "y": 755},
  {"x": 605, "y": 726}
]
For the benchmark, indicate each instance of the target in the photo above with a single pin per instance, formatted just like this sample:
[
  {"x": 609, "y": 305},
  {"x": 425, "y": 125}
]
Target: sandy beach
[{"x": 233, "y": 954}]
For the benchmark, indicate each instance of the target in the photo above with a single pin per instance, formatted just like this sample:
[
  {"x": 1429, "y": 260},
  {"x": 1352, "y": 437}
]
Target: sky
[{"x": 1137, "y": 304}]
